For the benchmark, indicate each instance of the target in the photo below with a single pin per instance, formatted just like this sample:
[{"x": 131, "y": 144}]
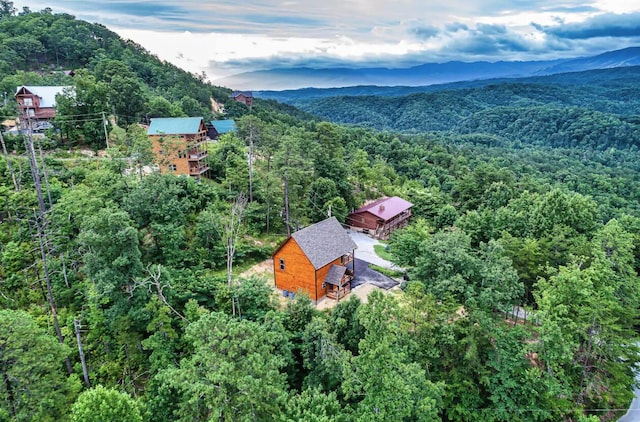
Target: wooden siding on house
[
  {"x": 298, "y": 273},
  {"x": 184, "y": 151},
  {"x": 364, "y": 220}
]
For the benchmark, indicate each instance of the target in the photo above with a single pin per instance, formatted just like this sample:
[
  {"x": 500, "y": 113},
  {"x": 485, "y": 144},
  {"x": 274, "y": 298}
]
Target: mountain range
[{"x": 425, "y": 74}]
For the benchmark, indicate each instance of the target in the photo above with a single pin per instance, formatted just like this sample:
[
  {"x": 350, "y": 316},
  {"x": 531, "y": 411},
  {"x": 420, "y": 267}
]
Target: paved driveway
[
  {"x": 364, "y": 274},
  {"x": 366, "y": 252}
]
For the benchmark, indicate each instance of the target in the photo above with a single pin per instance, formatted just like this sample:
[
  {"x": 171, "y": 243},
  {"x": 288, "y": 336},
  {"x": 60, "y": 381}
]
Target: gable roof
[
  {"x": 175, "y": 126},
  {"x": 235, "y": 94},
  {"x": 224, "y": 126},
  {"x": 47, "y": 94},
  {"x": 335, "y": 274},
  {"x": 385, "y": 208},
  {"x": 324, "y": 242}
]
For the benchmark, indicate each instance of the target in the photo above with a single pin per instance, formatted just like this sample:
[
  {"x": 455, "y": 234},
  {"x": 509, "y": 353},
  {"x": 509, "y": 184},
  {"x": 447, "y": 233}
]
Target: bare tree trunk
[
  {"x": 286, "y": 195},
  {"x": 267, "y": 195},
  {"x": 45, "y": 269},
  {"x": 9, "y": 166},
  {"x": 85, "y": 373},
  {"x": 251, "y": 160},
  {"x": 44, "y": 173},
  {"x": 40, "y": 229},
  {"x": 231, "y": 228}
]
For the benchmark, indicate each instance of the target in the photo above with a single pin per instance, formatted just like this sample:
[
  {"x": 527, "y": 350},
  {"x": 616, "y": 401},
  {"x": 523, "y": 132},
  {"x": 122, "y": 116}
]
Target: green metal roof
[
  {"x": 174, "y": 125},
  {"x": 224, "y": 126}
]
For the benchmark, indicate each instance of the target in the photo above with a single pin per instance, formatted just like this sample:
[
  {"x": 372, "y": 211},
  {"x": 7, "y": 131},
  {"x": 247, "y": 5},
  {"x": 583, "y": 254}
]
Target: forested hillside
[
  {"x": 115, "y": 295},
  {"x": 595, "y": 109}
]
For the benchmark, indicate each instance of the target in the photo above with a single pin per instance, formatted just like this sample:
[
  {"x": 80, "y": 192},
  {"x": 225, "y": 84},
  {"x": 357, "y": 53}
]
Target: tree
[
  {"x": 6, "y": 9},
  {"x": 383, "y": 381},
  {"x": 231, "y": 228},
  {"x": 449, "y": 267},
  {"x": 34, "y": 385},
  {"x": 101, "y": 404},
  {"x": 233, "y": 373},
  {"x": 112, "y": 257}
]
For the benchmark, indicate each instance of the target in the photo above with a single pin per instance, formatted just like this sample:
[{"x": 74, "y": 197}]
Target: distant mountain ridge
[{"x": 425, "y": 74}]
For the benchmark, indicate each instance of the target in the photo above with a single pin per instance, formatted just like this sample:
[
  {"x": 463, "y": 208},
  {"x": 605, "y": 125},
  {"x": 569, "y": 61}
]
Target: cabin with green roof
[
  {"x": 178, "y": 144},
  {"x": 220, "y": 127}
]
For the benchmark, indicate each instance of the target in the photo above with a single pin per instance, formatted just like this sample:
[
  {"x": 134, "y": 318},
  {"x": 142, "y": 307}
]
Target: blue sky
[{"x": 224, "y": 37}]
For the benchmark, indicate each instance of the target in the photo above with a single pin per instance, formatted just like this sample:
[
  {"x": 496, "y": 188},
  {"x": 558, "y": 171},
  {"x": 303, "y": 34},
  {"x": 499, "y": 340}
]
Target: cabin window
[
  {"x": 282, "y": 264},
  {"x": 28, "y": 102},
  {"x": 362, "y": 220},
  {"x": 173, "y": 167}
]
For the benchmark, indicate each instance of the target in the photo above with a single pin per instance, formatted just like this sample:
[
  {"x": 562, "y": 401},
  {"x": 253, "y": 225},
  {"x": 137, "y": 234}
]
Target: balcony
[
  {"x": 198, "y": 170},
  {"x": 346, "y": 259},
  {"x": 198, "y": 156}
]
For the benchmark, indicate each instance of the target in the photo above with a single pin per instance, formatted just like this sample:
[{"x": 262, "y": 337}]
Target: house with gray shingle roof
[{"x": 317, "y": 260}]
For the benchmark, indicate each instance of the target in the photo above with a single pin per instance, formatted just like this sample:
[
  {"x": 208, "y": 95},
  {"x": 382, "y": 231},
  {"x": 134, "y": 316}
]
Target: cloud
[
  {"x": 424, "y": 32},
  {"x": 603, "y": 25}
]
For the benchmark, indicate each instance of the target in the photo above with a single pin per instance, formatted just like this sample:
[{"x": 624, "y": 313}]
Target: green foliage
[
  {"x": 385, "y": 383},
  {"x": 34, "y": 385},
  {"x": 102, "y": 404},
  {"x": 449, "y": 267},
  {"x": 233, "y": 373},
  {"x": 528, "y": 193}
]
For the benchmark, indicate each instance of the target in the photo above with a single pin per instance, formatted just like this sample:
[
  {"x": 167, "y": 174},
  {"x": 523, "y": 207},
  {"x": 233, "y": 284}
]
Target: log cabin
[
  {"x": 317, "y": 260},
  {"x": 37, "y": 105},
  {"x": 380, "y": 218},
  {"x": 178, "y": 145},
  {"x": 244, "y": 97}
]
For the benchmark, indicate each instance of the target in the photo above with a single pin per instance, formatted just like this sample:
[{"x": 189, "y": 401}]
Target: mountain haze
[{"x": 425, "y": 74}]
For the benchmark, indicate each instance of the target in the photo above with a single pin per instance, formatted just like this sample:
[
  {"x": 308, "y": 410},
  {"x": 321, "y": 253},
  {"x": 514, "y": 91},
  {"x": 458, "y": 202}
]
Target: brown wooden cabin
[
  {"x": 37, "y": 105},
  {"x": 244, "y": 97},
  {"x": 178, "y": 144},
  {"x": 315, "y": 260},
  {"x": 380, "y": 218}
]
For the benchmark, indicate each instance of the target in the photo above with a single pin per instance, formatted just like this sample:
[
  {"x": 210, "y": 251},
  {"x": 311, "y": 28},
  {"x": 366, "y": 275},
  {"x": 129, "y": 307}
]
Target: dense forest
[
  {"x": 594, "y": 109},
  {"x": 115, "y": 300}
]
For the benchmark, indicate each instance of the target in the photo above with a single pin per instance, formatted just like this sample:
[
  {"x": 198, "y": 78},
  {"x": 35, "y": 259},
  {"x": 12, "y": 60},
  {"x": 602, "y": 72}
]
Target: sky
[{"x": 225, "y": 37}]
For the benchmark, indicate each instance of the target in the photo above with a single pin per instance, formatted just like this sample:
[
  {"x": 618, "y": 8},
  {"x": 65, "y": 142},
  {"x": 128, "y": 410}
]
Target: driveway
[
  {"x": 363, "y": 275},
  {"x": 366, "y": 252}
]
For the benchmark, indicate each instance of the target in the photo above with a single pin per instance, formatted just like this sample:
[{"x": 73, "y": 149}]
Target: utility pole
[
  {"x": 40, "y": 220},
  {"x": 85, "y": 373},
  {"x": 104, "y": 125}
]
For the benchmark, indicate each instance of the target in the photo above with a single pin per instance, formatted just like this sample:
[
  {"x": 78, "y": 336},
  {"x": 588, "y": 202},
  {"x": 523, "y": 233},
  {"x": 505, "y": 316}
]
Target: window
[
  {"x": 172, "y": 167},
  {"x": 28, "y": 102},
  {"x": 282, "y": 264}
]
